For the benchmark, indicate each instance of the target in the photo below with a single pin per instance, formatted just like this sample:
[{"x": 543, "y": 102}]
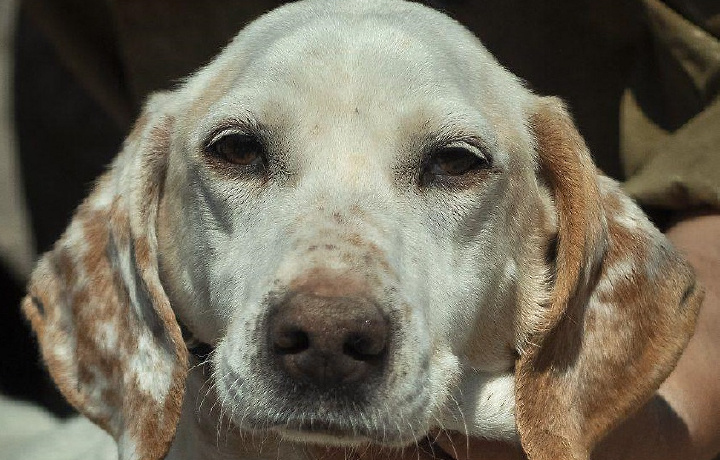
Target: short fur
[{"x": 533, "y": 302}]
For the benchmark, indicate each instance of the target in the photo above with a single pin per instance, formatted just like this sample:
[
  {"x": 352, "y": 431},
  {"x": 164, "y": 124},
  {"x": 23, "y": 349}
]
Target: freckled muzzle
[{"x": 325, "y": 345}]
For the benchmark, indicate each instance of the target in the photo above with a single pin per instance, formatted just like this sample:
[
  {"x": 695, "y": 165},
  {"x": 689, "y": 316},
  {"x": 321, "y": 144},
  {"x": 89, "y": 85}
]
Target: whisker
[{"x": 464, "y": 421}]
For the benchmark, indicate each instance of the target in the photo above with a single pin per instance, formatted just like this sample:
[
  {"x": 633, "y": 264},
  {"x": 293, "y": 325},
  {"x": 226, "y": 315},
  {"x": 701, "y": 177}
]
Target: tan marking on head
[
  {"x": 215, "y": 88},
  {"x": 329, "y": 283},
  {"x": 566, "y": 164}
]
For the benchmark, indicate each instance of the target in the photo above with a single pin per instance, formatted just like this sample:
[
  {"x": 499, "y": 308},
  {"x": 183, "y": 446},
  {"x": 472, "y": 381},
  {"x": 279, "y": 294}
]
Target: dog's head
[{"x": 380, "y": 231}]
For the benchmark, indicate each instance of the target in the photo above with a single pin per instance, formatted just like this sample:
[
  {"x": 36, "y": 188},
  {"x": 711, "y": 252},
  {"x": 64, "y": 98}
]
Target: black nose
[{"x": 328, "y": 341}]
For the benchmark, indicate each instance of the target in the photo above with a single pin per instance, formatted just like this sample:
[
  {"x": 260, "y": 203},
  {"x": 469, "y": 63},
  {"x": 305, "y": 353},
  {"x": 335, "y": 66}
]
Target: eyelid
[
  {"x": 243, "y": 126},
  {"x": 472, "y": 145},
  {"x": 223, "y": 132}
]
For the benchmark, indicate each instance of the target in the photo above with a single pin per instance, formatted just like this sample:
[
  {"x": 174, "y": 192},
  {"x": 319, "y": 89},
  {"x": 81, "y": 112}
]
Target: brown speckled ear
[
  {"x": 622, "y": 308},
  {"x": 105, "y": 326}
]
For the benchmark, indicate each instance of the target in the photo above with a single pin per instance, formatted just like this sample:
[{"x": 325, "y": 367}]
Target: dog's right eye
[
  {"x": 238, "y": 149},
  {"x": 456, "y": 165},
  {"x": 456, "y": 161}
]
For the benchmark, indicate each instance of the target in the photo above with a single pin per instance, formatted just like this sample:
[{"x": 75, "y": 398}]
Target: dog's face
[
  {"x": 380, "y": 231},
  {"x": 351, "y": 216}
]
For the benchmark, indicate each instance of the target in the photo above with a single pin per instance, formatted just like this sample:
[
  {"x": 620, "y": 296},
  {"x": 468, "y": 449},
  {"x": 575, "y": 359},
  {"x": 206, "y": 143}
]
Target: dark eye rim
[
  {"x": 211, "y": 153},
  {"x": 481, "y": 162},
  {"x": 476, "y": 159}
]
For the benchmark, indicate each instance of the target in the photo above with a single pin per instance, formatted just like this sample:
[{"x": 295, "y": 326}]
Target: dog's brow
[
  {"x": 459, "y": 137},
  {"x": 245, "y": 125},
  {"x": 446, "y": 135}
]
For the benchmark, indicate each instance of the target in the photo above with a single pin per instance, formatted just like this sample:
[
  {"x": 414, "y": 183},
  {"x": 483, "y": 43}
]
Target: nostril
[
  {"x": 363, "y": 347},
  {"x": 290, "y": 341}
]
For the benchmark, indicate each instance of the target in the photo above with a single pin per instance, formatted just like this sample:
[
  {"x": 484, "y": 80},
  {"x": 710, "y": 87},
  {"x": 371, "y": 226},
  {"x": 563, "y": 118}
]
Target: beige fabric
[
  {"x": 678, "y": 170},
  {"x": 670, "y": 124}
]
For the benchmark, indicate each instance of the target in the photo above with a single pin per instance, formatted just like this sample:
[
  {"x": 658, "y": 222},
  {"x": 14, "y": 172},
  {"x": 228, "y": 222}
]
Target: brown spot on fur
[
  {"x": 82, "y": 284},
  {"x": 328, "y": 283},
  {"x": 355, "y": 240},
  {"x": 357, "y": 211},
  {"x": 376, "y": 255},
  {"x": 362, "y": 251},
  {"x": 604, "y": 353}
]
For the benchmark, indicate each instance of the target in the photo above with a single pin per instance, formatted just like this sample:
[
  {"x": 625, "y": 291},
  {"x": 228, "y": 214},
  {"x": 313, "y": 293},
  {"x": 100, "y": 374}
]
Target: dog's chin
[
  {"x": 324, "y": 436},
  {"x": 342, "y": 438},
  {"x": 334, "y": 435}
]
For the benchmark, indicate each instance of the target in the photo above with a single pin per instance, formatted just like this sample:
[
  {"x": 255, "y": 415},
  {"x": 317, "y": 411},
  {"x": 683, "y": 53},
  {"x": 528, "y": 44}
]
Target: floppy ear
[
  {"x": 622, "y": 308},
  {"x": 104, "y": 323}
]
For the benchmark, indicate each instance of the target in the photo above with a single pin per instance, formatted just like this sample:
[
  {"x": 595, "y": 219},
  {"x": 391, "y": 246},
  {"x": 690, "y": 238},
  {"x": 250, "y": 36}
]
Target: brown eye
[
  {"x": 238, "y": 149},
  {"x": 456, "y": 161}
]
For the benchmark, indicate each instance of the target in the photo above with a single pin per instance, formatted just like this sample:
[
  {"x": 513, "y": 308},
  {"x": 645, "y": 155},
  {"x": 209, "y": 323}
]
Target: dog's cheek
[
  {"x": 470, "y": 286},
  {"x": 182, "y": 277}
]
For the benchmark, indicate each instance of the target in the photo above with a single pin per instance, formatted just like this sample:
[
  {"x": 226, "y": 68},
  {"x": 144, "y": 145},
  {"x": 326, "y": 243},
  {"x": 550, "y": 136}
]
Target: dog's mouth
[
  {"x": 335, "y": 430},
  {"x": 267, "y": 398},
  {"x": 322, "y": 432},
  {"x": 427, "y": 447},
  {"x": 334, "y": 435}
]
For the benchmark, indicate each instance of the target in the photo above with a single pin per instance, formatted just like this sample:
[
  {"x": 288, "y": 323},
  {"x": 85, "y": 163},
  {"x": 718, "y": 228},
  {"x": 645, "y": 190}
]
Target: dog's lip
[
  {"x": 326, "y": 433},
  {"x": 319, "y": 427}
]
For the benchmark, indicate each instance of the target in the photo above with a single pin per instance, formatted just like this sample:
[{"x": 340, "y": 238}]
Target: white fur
[{"x": 348, "y": 91}]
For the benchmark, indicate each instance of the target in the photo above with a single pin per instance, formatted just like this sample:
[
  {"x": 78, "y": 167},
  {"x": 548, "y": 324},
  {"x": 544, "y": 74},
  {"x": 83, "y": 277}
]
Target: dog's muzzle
[{"x": 328, "y": 342}]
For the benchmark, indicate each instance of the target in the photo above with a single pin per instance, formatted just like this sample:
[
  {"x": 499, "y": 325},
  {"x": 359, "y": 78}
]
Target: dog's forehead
[{"x": 329, "y": 59}]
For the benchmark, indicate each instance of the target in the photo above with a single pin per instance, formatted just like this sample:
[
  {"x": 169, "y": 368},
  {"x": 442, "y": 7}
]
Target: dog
[{"x": 377, "y": 232}]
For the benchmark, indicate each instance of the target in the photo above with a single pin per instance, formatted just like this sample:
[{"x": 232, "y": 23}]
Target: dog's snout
[{"x": 328, "y": 341}]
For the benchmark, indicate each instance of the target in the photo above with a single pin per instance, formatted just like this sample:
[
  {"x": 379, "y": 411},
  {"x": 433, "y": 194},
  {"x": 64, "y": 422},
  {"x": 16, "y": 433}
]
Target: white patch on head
[
  {"x": 107, "y": 334},
  {"x": 151, "y": 356},
  {"x": 103, "y": 199},
  {"x": 627, "y": 218}
]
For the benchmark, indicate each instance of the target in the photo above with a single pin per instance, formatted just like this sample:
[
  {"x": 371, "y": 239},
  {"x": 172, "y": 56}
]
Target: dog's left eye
[
  {"x": 456, "y": 161},
  {"x": 238, "y": 149}
]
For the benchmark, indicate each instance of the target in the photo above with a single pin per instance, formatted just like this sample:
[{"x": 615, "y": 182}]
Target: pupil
[
  {"x": 456, "y": 162},
  {"x": 238, "y": 149}
]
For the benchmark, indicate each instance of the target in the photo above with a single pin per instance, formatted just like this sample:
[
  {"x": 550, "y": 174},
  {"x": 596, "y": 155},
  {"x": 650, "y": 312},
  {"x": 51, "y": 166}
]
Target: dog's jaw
[{"x": 385, "y": 413}]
